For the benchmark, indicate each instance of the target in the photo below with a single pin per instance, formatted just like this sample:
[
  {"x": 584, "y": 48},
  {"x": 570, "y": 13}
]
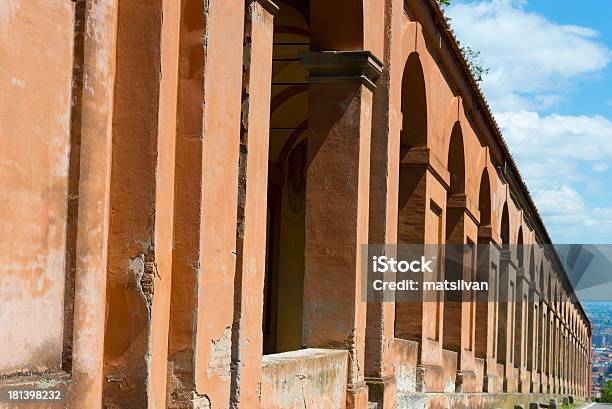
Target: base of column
[
  {"x": 431, "y": 378},
  {"x": 382, "y": 391},
  {"x": 490, "y": 384},
  {"x": 467, "y": 381},
  {"x": 357, "y": 396}
]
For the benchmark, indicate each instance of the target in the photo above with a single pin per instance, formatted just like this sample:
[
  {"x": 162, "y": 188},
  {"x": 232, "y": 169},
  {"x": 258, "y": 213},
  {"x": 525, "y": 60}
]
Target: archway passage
[
  {"x": 484, "y": 206},
  {"x": 519, "y": 306},
  {"x": 414, "y": 105},
  {"x": 284, "y": 279},
  {"x": 483, "y": 306},
  {"x": 455, "y": 252},
  {"x": 506, "y": 293},
  {"x": 505, "y": 227},
  {"x": 533, "y": 318},
  {"x": 412, "y": 196},
  {"x": 520, "y": 251}
]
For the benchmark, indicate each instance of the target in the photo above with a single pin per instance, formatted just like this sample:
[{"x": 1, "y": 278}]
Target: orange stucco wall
[
  {"x": 35, "y": 128},
  {"x": 185, "y": 187}
]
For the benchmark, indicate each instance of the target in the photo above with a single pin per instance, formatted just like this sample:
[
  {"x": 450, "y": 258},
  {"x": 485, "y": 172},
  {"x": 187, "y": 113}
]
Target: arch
[
  {"x": 455, "y": 252},
  {"x": 484, "y": 199},
  {"x": 456, "y": 161},
  {"x": 411, "y": 223},
  {"x": 286, "y": 193},
  {"x": 505, "y": 227},
  {"x": 504, "y": 314},
  {"x": 414, "y": 105},
  {"x": 532, "y": 317},
  {"x": 483, "y": 267},
  {"x": 532, "y": 268},
  {"x": 520, "y": 253}
]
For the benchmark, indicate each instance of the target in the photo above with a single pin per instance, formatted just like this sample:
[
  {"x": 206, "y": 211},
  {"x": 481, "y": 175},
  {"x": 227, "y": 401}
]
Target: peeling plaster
[{"x": 221, "y": 355}]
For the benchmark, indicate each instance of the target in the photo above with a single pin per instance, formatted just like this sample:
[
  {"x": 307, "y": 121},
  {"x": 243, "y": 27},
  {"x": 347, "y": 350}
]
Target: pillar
[
  {"x": 142, "y": 200},
  {"x": 95, "y": 128},
  {"x": 521, "y": 330},
  {"x": 533, "y": 327},
  {"x": 247, "y": 335},
  {"x": 207, "y": 154},
  {"x": 336, "y": 220},
  {"x": 384, "y": 190},
  {"x": 459, "y": 309},
  {"x": 487, "y": 308},
  {"x": 422, "y": 220},
  {"x": 505, "y": 336}
]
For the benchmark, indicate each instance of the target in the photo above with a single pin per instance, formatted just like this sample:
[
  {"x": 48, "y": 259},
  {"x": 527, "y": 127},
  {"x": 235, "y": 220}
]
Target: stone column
[
  {"x": 462, "y": 331},
  {"x": 521, "y": 330},
  {"x": 543, "y": 345},
  {"x": 142, "y": 200},
  {"x": 487, "y": 306},
  {"x": 421, "y": 219},
  {"x": 337, "y": 183},
  {"x": 532, "y": 337},
  {"x": 556, "y": 350},
  {"x": 98, "y": 75},
  {"x": 207, "y": 156},
  {"x": 384, "y": 190},
  {"x": 247, "y": 335},
  {"x": 550, "y": 346},
  {"x": 540, "y": 342},
  {"x": 507, "y": 301}
]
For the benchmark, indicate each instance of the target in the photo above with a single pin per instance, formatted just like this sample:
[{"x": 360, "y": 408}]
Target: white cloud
[
  {"x": 569, "y": 218},
  {"x": 535, "y": 64},
  {"x": 555, "y": 152},
  {"x": 527, "y": 53},
  {"x": 558, "y": 137},
  {"x": 600, "y": 167}
]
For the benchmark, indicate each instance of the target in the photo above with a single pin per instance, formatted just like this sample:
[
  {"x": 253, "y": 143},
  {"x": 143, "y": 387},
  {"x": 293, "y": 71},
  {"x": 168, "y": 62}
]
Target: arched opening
[
  {"x": 414, "y": 107},
  {"x": 484, "y": 199},
  {"x": 532, "y": 319},
  {"x": 542, "y": 323},
  {"x": 484, "y": 266},
  {"x": 506, "y": 294},
  {"x": 455, "y": 253},
  {"x": 284, "y": 277},
  {"x": 505, "y": 228},
  {"x": 519, "y": 309},
  {"x": 412, "y": 196},
  {"x": 520, "y": 253}
]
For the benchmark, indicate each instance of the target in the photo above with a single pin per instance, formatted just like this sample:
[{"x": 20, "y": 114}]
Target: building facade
[{"x": 187, "y": 186}]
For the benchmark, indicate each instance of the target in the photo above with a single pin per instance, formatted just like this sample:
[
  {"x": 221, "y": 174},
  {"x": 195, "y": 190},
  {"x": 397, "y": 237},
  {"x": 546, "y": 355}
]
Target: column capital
[{"x": 335, "y": 66}]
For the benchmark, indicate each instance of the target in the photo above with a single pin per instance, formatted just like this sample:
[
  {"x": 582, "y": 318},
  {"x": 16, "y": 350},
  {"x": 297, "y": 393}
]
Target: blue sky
[{"x": 550, "y": 87}]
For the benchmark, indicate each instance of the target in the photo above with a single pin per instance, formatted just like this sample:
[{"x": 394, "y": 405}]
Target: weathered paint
[
  {"x": 176, "y": 296},
  {"x": 303, "y": 379},
  {"x": 35, "y": 139}
]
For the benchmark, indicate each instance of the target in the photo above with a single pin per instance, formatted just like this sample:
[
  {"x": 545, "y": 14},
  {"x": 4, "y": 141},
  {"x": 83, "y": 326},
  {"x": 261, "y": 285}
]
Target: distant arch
[
  {"x": 455, "y": 240},
  {"x": 456, "y": 161},
  {"x": 532, "y": 268},
  {"x": 414, "y": 105},
  {"x": 505, "y": 227},
  {"x": 520, "y": 251},
  {"x": 411, "y": 222},
  {"x": 484, "y": 199}
]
